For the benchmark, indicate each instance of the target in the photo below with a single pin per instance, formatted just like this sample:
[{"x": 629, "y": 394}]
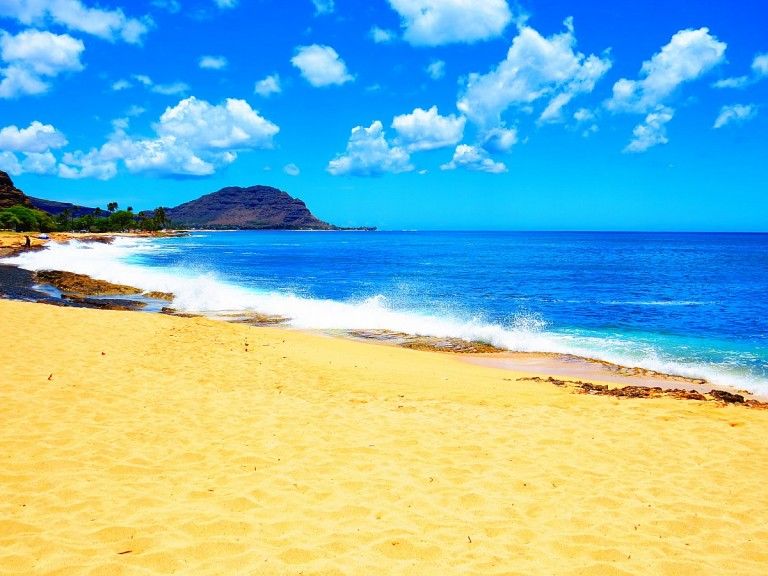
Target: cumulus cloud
[
  {"x": 475, "y": 159},
  {"x": 32, "y": 56},
  {"x": 226, "y": 4},
  {"x": 73, "y": 14},
  {"x": 291, "y": 169},
  {"x": 268, "y": 86},
  {"x": 323, "y": 6},
  {"x": 35, "y": 142},
  {"x": 204, "y": 126},
  {"x": 652, "y": 131},
  {"x": 735, "y": 113},
  {"x": 535, "y": 68},
  {"x": 381, "y": 36},
  {"x": 35, "y": 138},
  {"x": 437, "y": 22},
  {"x": 688, "y": 55},
  {"x": 500, "y": 139},
  {"x": 427, "y": 130},
  {"x": 321, "y": 65},
  {"x": 213, "y": 62},
  {"x": 193, "y": 138},
  {"x": 436, "y": 69},
  {"x": 369, "y": 154},
  {"x": 760, "y": 65}
]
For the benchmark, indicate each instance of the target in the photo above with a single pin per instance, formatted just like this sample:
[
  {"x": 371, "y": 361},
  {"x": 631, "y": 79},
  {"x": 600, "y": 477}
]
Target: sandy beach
[{"x": 147, "y": 444}]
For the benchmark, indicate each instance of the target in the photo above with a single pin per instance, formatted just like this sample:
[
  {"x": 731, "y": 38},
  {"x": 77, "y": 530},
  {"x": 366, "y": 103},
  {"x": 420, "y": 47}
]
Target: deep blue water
[{"x": 694, "y": 304}]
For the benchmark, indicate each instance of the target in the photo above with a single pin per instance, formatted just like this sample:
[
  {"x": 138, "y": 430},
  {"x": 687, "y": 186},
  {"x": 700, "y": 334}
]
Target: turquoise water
[{"x": 689, "y": 304}]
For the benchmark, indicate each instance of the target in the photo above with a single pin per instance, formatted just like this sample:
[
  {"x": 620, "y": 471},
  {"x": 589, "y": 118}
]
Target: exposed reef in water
[{"x": 428, "y": 343}]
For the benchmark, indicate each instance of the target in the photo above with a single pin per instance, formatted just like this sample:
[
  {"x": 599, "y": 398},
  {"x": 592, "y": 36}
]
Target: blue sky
[{"x": 402, "y": 114}]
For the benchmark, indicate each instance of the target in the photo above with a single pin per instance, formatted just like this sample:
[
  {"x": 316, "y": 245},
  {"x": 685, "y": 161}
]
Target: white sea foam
[{"x": 201, "y": 291}]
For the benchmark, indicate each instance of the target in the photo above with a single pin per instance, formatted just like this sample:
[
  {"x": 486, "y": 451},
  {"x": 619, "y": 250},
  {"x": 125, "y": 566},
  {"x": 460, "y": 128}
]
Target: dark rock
[
  {"x": 103, "y": 303},
  {"x": 159, "y": 296},
  {"x": 82, "y": 285},
  {"x": 726, "y": 397}
]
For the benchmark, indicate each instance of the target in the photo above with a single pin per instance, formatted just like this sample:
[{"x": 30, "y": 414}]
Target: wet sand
[{"x": 147, "y": 444}]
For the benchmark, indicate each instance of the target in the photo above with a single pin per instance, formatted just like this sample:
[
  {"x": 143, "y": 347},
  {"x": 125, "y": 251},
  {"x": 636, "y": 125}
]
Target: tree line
[{"x": 24, "y": 219}]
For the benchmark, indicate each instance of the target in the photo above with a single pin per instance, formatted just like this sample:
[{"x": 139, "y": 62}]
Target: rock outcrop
[
  {"x": 9, "y": 194},
  {"x": 252, "y": 208}
]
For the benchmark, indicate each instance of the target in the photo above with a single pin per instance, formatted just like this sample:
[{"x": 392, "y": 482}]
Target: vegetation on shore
[{"x": 22, "y": 219}]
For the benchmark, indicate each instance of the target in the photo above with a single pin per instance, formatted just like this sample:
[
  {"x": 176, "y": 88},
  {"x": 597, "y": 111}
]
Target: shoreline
[
  {"x": 548, "y": 364},
  {"x": 146, "y": 443}
]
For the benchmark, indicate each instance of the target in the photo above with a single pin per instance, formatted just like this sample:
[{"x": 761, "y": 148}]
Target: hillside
[
  {"x": 9, "y": 194},
  {"x": 253, "y": 208}
]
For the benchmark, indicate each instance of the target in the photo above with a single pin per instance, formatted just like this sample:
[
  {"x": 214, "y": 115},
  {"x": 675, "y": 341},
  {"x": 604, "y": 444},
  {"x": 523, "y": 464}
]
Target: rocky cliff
[
  {"x": 9, "y": 194},
  {"x": 253, "y": 208}
]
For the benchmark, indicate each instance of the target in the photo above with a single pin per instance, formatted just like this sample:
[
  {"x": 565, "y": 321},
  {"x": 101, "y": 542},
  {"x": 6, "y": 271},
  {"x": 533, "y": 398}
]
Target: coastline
[
  {"x": 149, "y": 443},
  {"x": 77, "y": 290}
]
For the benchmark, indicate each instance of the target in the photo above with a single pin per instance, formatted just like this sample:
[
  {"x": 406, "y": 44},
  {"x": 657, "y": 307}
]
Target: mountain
[
  {"x": 252, "y": 208},
  {"x": 54, "y": 208},
  {"x": 9, "y": 194}
]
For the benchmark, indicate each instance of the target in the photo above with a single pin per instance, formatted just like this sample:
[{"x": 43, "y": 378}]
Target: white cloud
[
  {"x": 268, "y": 86},
  {"x": 735, "y": 113},
  {"x": 535, "y": 68},
  {"x": 475, "y": 159},
  {"x": 291, "y": 169},
  {"x": 171, "y": 89},
  {"x": 32, "y": 163},
  {"x": 427, "y": 130},
  {"x": 369, "y": 154},
  {"x": 688, "y": 55},
  {"x": 73, "y": 14},
  {"x": 737, "y": 82},
  {"x": 652, "y": 131},
  {"x": 320, "y": 65},
  {"x": 35, "y": 143},
  {"x": 171, "y": 6},
  {"x": 121, "y": 84},
  {"x": 39, "y": 163},
  {"x": 213, "y": 62},
  {"x": 233, "y": 124},
  {"x": 500, "y": 139},
  {"x": 193, "y": 138},
  {"x": 436, "y": 22},
  {"x": 35, "y": 138},
  {"x": 9, "y": 163},
  {"x": 381, "y": 36},
  {"x": 323, "y": 6},
  {"x": 225, "y": 4},
  {"x": 760, "y": 65},
  {"x": 583, "y": 115},
  {"x": 436, "y": 69},
  {"x": 135, "y": 110},
  {"x": 143, "y": 79},
  {"x": 31, "y": 56}
]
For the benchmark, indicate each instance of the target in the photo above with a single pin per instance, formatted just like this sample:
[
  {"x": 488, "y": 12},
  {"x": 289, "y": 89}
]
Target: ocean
[{"x": 687, "y": 304}]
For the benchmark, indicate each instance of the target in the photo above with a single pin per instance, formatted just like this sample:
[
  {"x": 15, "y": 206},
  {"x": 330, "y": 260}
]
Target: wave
[{"x": 199, "y": 290}]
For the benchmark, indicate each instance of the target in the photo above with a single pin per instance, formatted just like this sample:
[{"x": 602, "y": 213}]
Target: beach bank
[{"x": 147, "y": 444}]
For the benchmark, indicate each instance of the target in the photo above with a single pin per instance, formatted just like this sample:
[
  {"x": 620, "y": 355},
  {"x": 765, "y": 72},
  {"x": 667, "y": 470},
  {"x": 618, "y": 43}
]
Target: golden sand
[{"x": 143, "y": 444}]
